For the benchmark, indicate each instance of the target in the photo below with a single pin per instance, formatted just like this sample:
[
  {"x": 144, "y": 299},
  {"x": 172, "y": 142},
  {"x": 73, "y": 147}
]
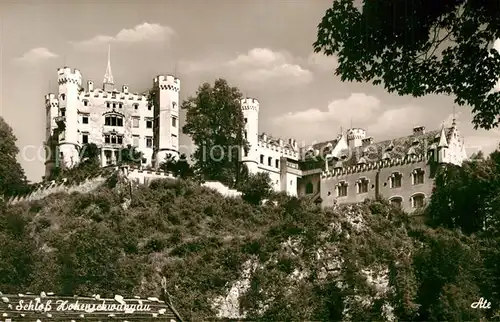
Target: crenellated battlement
[
  {"x": 167, "y": 82},
  {"x": 338, "y": 170},
  {"x": 278, "y": 145},
  {"x": 115, "y": 95},
  {"x": 67, "y": 75},
  {"x": 250, "y": 103}
]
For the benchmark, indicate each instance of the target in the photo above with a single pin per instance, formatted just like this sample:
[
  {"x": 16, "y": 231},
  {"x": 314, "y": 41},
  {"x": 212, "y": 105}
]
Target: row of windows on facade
[
  {"x": 118, "y": 121},
  {"x": 395, "y": 181},
  {"x": 118, "y": 139},
  {"x": 116, "y": 104},
  {"x": 269, "y": 161}
]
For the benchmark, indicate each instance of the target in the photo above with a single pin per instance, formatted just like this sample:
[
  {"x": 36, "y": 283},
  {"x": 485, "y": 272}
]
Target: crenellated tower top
[
  {"x": 250, "y": 104},
  {"x": 66, "y": 75}
]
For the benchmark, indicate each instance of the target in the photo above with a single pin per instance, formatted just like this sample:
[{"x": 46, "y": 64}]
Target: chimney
[
  {"x": 90, "y": 86},
  {"x": 419, "y": 130},
  {"x": 280, "y": 142},
  {"x": 367, "y": 141},
  {"x": 125, "y": 89},
  {"x": 264, "y": 137}
]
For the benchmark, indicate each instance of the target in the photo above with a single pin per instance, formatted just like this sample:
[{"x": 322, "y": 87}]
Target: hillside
[{"x": 222, "y": 257}]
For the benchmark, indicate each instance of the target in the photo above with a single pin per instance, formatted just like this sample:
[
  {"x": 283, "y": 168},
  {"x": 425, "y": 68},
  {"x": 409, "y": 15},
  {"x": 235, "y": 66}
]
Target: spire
[
  {"x": 108, "y": 76},
  {"x": 443, "y": 143},
  {"x": 453, "y": 123}
]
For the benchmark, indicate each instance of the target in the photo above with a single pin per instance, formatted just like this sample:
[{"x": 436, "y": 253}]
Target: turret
[
  {"x": 250, "y": 109},
  {"x": 355, "y": 137},
  {"x": 70, "y": 82},
  {"x": 166, "y": 117}
]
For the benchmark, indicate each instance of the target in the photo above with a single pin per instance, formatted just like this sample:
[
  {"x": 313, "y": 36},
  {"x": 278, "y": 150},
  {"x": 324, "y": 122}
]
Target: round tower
[
  {"x": 250, "y": 109},
  {"x": 70, "y": 82},
  {"x": 355, "y": 137},
  {"x": 166, "y": 117}
]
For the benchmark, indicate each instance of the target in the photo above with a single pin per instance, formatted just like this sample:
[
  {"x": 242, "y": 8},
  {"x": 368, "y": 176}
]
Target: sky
[{"x": 263, "y": 47}]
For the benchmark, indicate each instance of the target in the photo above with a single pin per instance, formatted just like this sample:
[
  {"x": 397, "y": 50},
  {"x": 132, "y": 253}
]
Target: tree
[
  {"x": 214, "y": 121},
  {"x": 130, "y": 156},
  {"x": 180, "y": 168},
  {"x": 12, "y": 178},
  {"x": 419, "y": 48},
  {"x": 90, "y": 152},
  {"x": 256, "y": 188}
]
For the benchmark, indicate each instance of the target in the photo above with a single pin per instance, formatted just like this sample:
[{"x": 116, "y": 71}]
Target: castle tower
[
  {"x": 108, "y": 85},
  {"x": 51, "y": 112},
  {"x": 70, "y": 82},
  {"x": 355, "y": 137},
  {"x": 166, "y": 117},
  {"x": 250, "y": 109}
]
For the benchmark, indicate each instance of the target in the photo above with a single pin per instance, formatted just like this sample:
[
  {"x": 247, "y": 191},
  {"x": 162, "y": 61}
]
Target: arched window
[
  {"x": 113, "y": 120},
  {"x": 418, "y": 176},
  {"x": 342, "y": 189},
  {"x": 418, "y": 200},
  {"x": 85, "y": 103},
  {"x": 309, "y": 188},
  {"x": 396, "y": 201},
  {"x": 63, "y": 97},
  {"x": 362, "y": 185},
  {"x": 396, "y": 179}
]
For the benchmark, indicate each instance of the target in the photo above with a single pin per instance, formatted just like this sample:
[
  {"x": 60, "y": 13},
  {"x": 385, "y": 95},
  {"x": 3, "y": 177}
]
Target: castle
[
  {"x": 348, "y": 169},
  {"x": 111, "y": 119}
]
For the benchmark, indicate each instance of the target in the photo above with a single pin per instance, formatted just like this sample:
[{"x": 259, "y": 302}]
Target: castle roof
[
  {"x": 275, "y": 141},
  {"x": 414, "y": 144}
]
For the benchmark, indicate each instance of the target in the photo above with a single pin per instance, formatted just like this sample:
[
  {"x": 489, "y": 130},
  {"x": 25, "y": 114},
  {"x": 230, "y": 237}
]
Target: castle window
[
  {"x": 63, "y": 111},
  {"x": 85, "y": 119},
  {"x": 269, "y": 161},
  {"x": 120, "y": 105},
  {"x": 85, "y": 103},
  {"x": 342, "y": 189},
  {"x": 136, "y": 106},
  {"x": 362, "y": 185},
  {"x": 418, "y": 176},
  {"x": 108, "y": 104},
  {"x": 174, "y": 121},
  {"x": 309, "y": 188},
  {"x": 174, "y": 104},
  {"x": 85, "y": 138},
  {"x": 245, "y": 151},
  {"x": 261, "y": 158},
  {"x": 396, "y": 201},
  {"x": 246, "y": 120},
  {"x": 113, "y": 139},
  {"x": 135, "y": 122},
  {"x": 149, "y": 124},
  {"x": 114, "y": 105},
  {"x": 135, "y": 141},
  {"x": 149, "y": 142},
  {"x": 149, "y": 107},
  {"x": 277, "y": 163},
  {"x": 418, "y": 201},
  {"x": 396, "y": 179},
  {"x": 245, "y": 134},
  {"x": 63, "y": 97},
  {"x": 113, "y": 120}
]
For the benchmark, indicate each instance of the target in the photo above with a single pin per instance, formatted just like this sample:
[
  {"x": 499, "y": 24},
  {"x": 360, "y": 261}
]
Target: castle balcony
[
  {"x": 60, "y": 121},
  {"x": 294, "y": 170}
]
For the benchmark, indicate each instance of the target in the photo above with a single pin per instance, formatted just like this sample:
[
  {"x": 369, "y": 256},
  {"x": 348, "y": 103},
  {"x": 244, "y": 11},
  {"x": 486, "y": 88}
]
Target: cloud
[
  {"x": 259, "y": 66},
  {"x": 145, "y": 32},
  {"x": 358, "y": 109},
  {"x": 323, "y": 63},
  {"x": 36, "y": 55}
]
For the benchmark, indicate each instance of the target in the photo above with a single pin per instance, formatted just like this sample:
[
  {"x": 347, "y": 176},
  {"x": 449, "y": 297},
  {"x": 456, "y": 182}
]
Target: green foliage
[
  {"x": 130, "y": 156},
  {"x": 12, "y": 178},
  {"x": 178, "y": 167},
  {"x": 214, "y": 121},
  {"x": 419, "y": 48},
  {"x": 256, "y": 187}
]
